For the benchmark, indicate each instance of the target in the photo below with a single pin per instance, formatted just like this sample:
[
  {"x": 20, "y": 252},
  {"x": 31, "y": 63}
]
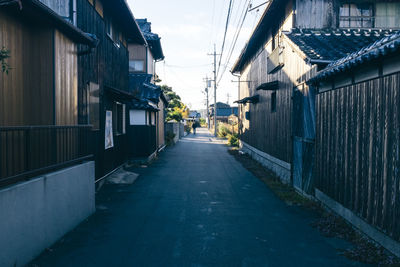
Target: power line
[
  {"x": 226, "y": 30},
  {"x": 237, "y": 33},
  {"x": 184, "y": 67}
]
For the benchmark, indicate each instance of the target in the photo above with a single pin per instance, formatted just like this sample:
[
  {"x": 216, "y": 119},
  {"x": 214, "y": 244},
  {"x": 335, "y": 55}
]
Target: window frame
[{"x": 361, "y": 19}]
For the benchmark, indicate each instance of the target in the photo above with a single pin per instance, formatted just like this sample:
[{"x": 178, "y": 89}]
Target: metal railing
[{"x": 28, "y": 151}]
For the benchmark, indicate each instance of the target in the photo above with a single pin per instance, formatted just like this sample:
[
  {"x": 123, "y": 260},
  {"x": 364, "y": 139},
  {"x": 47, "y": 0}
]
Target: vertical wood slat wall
[
  {"x": 26, "y": 93},
  {"x": 357, "y": 150},
  {"x": 66, "y": 80}
]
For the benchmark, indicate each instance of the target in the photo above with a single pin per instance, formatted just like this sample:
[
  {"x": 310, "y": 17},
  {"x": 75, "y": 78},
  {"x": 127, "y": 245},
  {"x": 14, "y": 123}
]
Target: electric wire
[
  {"x": 226, "y": 30},
  {"x": 237, "y": 33}
]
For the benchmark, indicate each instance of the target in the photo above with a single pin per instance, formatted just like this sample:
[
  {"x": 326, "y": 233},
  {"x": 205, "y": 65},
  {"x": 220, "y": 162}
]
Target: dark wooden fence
[
  {"x": 142, "y": 140},
  {"x": 357, "y": 150},
  {"x": 28, "y": 151}
]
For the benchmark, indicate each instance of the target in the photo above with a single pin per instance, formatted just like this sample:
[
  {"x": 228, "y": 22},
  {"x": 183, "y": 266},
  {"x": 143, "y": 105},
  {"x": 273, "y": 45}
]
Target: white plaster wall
[{"x": 36, "y": 213}]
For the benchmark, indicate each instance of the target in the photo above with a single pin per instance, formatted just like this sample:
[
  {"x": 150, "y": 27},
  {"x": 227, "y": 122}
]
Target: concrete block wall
[
  {"x": 36, "y": 213},
  {"x": 281, "y": 168},
  {"x": 173, "y": 127}
]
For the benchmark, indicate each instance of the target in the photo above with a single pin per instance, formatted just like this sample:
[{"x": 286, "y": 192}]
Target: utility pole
[
  {"x": 208, "y": 109},
  {"x": 215, "y": 89}
]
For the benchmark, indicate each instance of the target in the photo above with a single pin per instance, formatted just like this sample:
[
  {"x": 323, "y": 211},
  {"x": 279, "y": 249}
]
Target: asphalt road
[{"x": 195, "y": 206}]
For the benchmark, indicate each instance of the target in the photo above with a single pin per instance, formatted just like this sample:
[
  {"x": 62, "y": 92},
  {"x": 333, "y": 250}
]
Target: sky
[{"x": 188, "y": 31}]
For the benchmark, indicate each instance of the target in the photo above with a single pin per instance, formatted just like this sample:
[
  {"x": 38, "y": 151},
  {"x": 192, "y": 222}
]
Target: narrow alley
[{"x": 194, "y": 206}]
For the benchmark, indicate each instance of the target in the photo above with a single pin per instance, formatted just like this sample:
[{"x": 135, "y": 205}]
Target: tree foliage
[{"x": 176, "y": 110}]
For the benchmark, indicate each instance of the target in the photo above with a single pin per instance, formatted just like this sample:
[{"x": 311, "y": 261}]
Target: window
[
  {"x": 66, "y": 8},
  {"x": 273, "y": 102},
  {"x": 387, "y": 15},
  {"x": 137, "y": 117},
  {"x": 118, "y": 118},
  {"x": 247, "y": 115},
  {"x": 136, "y": 65},
  {"x": 356, "y": 15}
]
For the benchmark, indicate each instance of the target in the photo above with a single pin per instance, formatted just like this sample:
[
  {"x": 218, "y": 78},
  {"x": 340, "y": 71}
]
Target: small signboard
[{"x": 109, "y": 140}]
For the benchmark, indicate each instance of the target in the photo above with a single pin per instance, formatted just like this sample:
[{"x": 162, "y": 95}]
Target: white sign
[{"x": 109, "y": 140}]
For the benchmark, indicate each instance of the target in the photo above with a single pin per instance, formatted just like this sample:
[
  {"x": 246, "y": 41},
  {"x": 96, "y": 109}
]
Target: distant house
[
  {"x": 223, "y": 112},
  {"x": 193, "y": 115},
  {"x": 358, "y": 141},
  {"x": 147, "y": 111},
  {"x": 46, "y": 168}
]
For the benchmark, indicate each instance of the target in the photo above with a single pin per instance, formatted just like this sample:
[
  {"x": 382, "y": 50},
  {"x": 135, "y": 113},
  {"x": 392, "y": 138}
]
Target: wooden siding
[
  {"x": 66, "y": 80},
  {"x": 270, "y": 131},
  {"x": 142, "y": 140},
  {"x": 316, "y": 14},
  {"x": 26, "y": 93},
  {"x": 137, "y": 52},
  {"x": 106, "y": 65},
  {"x": 357, "y": 150}
]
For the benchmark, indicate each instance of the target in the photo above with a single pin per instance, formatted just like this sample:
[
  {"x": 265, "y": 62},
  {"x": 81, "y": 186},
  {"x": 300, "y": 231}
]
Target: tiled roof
[
  {"x": 382, "y": 47},
  {"x": 152, "y": 39},
  {"x": 144, "y": 90},
  {"x": 331, "y": 45},
  {"x": 142, "y": 105}
]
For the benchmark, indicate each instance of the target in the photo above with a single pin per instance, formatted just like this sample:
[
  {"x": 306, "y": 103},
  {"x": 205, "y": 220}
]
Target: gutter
[{"x": 320, "y": 61}]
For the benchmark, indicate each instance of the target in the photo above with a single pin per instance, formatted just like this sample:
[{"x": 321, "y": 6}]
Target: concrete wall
[
  {"x": 36, "y": 213},
  {"x": 380, "y": 237},
  {"x": 173, "y": 127},
  {"x": 279, "y": 167}
]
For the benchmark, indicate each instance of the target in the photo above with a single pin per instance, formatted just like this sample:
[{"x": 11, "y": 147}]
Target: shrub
[
  {"x": 188, "y": 127},
  {"x": 233, "y": 140},
  {"x": 169, "y": 138},
  {"x": 223, "y": 131}
]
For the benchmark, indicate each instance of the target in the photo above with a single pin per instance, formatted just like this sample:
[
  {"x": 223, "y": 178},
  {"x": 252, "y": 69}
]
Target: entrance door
[{"x": 303, "y": 138}]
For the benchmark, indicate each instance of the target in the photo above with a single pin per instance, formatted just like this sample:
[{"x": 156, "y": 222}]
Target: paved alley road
[{"x": 194, "y": 206}]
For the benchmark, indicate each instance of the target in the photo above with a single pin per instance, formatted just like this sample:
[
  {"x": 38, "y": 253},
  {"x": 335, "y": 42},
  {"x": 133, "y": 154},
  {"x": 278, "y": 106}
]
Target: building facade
[{"x": 289, "y": 46}]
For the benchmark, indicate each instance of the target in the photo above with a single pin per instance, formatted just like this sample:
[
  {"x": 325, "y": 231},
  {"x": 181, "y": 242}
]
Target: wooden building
[
  {"x": 289, "y": 45},
  {"x": 39, "y": 96},
  {"x": 46, "y": 163},
  {"x": 146, "y": 112},
  {"x": 358, "y": 139},
  {"x": 103, "y": 76}
]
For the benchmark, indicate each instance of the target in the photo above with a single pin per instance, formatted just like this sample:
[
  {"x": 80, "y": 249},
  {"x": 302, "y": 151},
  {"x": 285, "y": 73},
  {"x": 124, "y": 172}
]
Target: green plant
[
  {"x": 222, "y": 131},
  {"x": 233, "y": 140},
  {"x": 4, "y": 54},
  {"x": 188, "y": 127},
  {"x": 203, "y": 122}
]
